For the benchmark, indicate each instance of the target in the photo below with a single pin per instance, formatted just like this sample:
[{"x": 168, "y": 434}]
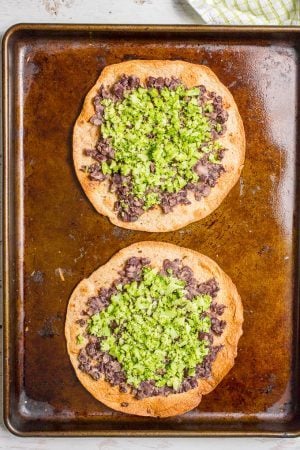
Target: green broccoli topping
[
  {"x": 156, "y": 337},
  {"x": 163, "y": 128},
  {"x": 79, "y": 339}
]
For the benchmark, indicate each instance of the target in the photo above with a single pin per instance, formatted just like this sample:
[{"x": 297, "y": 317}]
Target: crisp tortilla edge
[
  {"x": 85, "y": 136},
  {"x": 204, "y": 268}
]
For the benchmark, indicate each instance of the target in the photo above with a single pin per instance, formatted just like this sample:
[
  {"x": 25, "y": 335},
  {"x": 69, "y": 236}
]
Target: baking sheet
[{"x": 53, "y": 237}]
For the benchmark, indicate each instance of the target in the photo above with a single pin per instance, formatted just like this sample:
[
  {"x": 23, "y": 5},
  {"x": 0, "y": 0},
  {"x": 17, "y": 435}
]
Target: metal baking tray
[{"x": 53, "y": 237}]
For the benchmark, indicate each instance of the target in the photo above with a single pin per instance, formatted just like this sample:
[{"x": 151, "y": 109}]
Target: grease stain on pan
[
  {"x": 37, "y": 276},
  {"x": 283, "y": 405},
  {"x": 270, "y": 85},
  {"x": 81, "y": 255},
  {"x": 50, "y": 328},
  {"x": 121, "y": 233},
  {"x": 62, "y": 273},
  {"x": 35, "y": 409},
  {"x": 30, "y": 70}
]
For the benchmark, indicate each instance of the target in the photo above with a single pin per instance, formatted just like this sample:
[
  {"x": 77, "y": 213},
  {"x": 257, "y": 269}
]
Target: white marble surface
[{"x": 114, "y": 11}]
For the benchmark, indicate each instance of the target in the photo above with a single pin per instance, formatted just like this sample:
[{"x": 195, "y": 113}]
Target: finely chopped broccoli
[
  {"x": 158, "y": 136},
  {"x": 156, "y": 329}
]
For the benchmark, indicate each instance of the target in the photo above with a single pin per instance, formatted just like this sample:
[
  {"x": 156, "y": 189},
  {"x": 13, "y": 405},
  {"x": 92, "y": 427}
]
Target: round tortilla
[
  {"x": 204, "y": 268},
  {"x": 85, "y": 136}
]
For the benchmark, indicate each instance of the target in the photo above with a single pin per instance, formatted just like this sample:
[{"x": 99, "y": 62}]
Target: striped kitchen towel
[{"x": 248, "y": 12}]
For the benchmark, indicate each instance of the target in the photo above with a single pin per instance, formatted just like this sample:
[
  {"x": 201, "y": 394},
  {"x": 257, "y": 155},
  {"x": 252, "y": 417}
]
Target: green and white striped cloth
[{"x": 248, "y": 12}]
